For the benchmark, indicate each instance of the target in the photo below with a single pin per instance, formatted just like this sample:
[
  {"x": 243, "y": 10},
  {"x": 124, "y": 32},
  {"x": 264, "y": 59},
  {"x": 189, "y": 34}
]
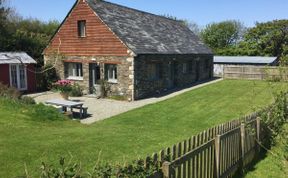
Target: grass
[
  {"x": 28, "y": 137},
  {"x": 275, "y": 163}
]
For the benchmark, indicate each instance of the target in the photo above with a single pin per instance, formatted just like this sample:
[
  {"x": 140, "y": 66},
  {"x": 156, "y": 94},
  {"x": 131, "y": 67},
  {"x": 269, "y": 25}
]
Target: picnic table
[{"x": 67, "y": 104}]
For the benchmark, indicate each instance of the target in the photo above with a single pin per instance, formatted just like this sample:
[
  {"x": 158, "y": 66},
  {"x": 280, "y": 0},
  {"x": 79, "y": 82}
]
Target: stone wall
[
  {"x": 133, "y": 81},
  {"x": 125, "y": 72},
  {"x": 172, "y": 72}
]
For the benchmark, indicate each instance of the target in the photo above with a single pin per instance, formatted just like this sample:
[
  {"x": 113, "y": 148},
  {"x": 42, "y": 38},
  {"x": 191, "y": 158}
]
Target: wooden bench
[{"x": 84, "y": 110}]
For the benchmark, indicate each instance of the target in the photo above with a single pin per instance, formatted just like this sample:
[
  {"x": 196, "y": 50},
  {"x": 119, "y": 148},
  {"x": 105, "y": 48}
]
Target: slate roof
[
  {"x": 146, "y": 33},
  {"x": 244, "y": 60},
  {"x": 16, "y": 58}
]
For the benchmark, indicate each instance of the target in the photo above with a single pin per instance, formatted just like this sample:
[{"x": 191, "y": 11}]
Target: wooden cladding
[
  {"x": 82, "y": 28},
  {"x": 84, "y": 34}
]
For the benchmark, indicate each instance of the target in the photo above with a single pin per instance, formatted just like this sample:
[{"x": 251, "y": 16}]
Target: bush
[
  {"x": 27, "y": 100},
  {"x": 46, "y": 79},
  {"x": 13, "y": 93},
  {"x": 105, "y": 88},
  {"x": 274, "y": 118},
  {"x": 76, "y": 90},
  {"x": 9, "y": 92},
  {"x": 63, "y": 171},
  {"x": 49, "y": 113},
  {"x": 63, "y": 86},
  {"x": 68, "y": 169}
]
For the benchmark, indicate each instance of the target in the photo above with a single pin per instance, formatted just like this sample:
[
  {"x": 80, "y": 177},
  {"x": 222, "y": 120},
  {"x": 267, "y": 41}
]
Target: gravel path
[{"x": 101, "y": 109}]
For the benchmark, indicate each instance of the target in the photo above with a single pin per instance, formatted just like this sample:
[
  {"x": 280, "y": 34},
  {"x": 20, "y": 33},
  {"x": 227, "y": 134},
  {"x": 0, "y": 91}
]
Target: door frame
[
  {"x": 197, "y": 72},
  {"x": 172, "y": 72},
  {"x": 92, "y": 76},
  {"x": 18, "y": 76}
]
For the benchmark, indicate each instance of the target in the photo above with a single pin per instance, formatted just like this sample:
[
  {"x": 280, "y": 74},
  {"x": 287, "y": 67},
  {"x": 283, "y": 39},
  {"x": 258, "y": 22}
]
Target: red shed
[{"x": 17, "y": 69}]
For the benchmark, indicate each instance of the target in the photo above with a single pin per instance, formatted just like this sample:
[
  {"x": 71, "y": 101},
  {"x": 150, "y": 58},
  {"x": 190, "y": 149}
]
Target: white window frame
[
  {"x": 111, "y": 68},
  {"x": 18, "y": 76},
  {"x": 74, "y": 75}
]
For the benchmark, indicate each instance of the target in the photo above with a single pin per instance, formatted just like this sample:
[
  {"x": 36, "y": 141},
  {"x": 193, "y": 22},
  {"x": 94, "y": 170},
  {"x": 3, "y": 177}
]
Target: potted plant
[{"x": 64, "y": 87}]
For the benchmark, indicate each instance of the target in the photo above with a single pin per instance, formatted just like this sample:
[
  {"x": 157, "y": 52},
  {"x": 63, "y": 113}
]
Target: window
[
  {"x": 75, "y": 71},
  {"x": 18, "y": 76},
  {"x": 111, "y": 73},
  {"x": 185, "y": 68},
  {"x": 154, "y": 71},
  {"x": 82, "y": 28}
]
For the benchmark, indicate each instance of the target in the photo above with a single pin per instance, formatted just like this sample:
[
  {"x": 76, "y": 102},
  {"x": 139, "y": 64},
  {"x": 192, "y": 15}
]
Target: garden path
[{"x": 100, "y": 109}]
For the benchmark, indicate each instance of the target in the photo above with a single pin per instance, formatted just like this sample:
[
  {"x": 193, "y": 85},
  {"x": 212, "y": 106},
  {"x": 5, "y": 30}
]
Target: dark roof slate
[{"x": 146, "y": 33}]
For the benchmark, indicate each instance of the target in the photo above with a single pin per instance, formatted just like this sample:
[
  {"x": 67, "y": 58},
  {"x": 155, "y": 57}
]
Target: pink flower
[{"x": 63, "y": 85}]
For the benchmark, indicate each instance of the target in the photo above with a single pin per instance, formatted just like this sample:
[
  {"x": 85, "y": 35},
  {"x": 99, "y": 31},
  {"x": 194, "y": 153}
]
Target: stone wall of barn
[
  {"x": 133, "y": 77},
  {"x": 125, "y": 70},
  {"x": 172, "y": 73}
]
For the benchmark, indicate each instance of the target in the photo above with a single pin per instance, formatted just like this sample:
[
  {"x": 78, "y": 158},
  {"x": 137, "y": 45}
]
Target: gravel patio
[{"x": 100, "y": 109}]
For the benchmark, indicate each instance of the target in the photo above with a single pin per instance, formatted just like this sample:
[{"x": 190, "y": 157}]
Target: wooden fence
[
  {"x": 216, "y": 152},
  {"x": 255, "y": 72}
]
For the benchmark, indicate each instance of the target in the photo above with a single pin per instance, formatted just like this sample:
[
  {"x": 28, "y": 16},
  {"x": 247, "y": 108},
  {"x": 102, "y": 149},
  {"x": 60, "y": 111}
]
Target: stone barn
[{"x": 135, "y": 52}]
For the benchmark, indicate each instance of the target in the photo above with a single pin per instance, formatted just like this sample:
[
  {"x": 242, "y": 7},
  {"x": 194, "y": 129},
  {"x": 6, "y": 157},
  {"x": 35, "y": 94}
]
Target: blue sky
[{"x": 201, "y": 11}]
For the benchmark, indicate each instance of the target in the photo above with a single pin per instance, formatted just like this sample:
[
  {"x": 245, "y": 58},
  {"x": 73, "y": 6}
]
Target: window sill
[
  {"x": 112, "y": 81},
  {"x": 75, "y": 78}
]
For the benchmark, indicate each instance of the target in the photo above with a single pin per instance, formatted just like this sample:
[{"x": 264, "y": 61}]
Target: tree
[
  {"x": 194, "y": 27},
  {"x": 267, "y": 39},
  {"x": 223, "y": 34},
  {"x": 4, "y": 12},
  {"x": 32, "y": 36},
  {"x": 28, "y": 35},
  {"x": 190, "y": 24}
]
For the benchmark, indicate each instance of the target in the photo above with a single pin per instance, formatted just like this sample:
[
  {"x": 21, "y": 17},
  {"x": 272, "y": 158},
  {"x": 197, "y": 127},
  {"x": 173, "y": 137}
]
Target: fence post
[
  {"x": 242, "y": 129},
  {"x": 217, "y": 156},
  {"x": 166, "y": 169},
  {"x": 258, "y": 128}
]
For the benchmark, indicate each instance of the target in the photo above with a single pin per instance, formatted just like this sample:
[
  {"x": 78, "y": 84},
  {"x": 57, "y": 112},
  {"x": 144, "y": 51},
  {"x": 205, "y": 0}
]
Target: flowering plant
[{"x": 64, "y": 86}]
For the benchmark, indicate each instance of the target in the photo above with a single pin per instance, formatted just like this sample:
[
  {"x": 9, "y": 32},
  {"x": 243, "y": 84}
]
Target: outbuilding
[
  {"x": 17, "y": 69},
  {"x": 220, "y": 62}
]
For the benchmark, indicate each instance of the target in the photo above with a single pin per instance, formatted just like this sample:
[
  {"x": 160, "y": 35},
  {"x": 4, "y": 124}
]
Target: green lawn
[
  {"x": 28, "y": 139},
  {"x": 275, "y": 163}
]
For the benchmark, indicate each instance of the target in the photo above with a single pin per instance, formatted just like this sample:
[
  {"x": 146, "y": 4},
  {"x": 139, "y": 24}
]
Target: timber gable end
[{"x": 99, "y": 39}]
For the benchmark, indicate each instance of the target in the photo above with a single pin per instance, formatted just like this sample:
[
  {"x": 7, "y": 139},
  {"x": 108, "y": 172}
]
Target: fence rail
[
  {"x": 217, "y": 152},
  {"x": 255, "y": 72}
]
